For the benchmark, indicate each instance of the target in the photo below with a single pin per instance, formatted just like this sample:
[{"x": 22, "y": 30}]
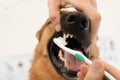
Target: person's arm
[
  {"x": 112, "y": 70},
  {"x": 96, "y": 71}
]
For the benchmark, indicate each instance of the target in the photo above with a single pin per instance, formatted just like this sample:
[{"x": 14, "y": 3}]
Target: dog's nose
[
  {"x": 74, "y": 22},
  {"x": 72, "y": 18}
]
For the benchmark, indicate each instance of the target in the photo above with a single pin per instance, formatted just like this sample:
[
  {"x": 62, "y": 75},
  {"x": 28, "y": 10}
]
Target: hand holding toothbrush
[
  {"x": 60, "y": 42},
  {"x": 96, "y": 71}
]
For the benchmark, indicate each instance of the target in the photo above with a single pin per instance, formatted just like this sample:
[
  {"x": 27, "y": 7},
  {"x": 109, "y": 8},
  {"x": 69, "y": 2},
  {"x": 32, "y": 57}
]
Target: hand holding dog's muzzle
[{"x": 88, "y": 7}]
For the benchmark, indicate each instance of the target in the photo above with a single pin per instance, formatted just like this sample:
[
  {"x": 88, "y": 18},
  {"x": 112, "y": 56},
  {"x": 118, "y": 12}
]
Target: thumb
[{"x": 96, "y": 71}]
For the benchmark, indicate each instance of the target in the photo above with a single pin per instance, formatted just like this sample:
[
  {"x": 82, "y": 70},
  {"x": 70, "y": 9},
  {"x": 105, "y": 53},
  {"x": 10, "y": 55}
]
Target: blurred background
[{"x": 21, "y": 19}]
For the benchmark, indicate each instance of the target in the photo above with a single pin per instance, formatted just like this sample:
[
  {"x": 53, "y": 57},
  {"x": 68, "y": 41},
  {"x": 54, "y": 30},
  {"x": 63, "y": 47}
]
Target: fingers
[
  {"x": 89, "y": 8},
  {"x": 93, "y": 2},
  {"x": 92, "y": 72},
  {"x": 84, "y": 68},
  {"x": 96, "y": 71},
  {"x": 83, "y": 71},
  {"x": 80, "y": 76},
  {"x": 54, "y": 12},
  {"x": 95, "y": 20}
]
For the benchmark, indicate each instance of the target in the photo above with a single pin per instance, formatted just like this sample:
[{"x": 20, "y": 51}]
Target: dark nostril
[
  {"x": 71, "y": 18},
  {"x": 84, "y": 23}
]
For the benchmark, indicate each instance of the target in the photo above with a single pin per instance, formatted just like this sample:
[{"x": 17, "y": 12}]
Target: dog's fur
[{"x": 42, "y": 68}]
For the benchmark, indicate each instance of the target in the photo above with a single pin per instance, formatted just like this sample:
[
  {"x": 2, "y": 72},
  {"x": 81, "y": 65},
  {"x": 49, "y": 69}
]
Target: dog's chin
[{"x": 65, "y": 64}]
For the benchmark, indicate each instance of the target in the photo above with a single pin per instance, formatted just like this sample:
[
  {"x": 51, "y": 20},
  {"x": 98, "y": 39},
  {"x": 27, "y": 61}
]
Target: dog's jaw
[
  {"x": 65, "y": 70},
  {"x": 77, "y": 25}
]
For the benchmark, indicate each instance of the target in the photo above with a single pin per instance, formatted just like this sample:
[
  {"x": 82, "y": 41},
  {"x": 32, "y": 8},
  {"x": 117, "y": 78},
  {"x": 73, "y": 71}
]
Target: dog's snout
[{"x": 77, "y": 24}]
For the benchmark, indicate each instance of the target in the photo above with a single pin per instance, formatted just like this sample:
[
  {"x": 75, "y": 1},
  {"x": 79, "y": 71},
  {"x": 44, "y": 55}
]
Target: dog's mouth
[
  {"x": 70, "y": 62},
  {"x": 76, "y": 34},
  {"x": 66, "y": 64}
]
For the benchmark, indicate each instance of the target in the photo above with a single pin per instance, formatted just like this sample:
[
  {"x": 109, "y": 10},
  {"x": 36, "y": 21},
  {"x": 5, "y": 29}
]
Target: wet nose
[{"x": 74, "y": 22}]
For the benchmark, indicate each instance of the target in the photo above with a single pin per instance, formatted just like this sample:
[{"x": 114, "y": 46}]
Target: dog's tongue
[{"x": 71, "y": 62}]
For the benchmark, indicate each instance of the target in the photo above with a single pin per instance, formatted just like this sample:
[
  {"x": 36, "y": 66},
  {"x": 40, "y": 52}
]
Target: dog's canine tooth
[
  {"x": 67, "y": 35},
  {"x": 64, "y": 36},
  {"x": 65, "y": 64},
  {"x": 61, "y": 55},
  {"x": 71, "y": 36}
]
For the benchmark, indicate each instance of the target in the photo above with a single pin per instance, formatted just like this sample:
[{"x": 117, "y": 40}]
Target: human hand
[
  {"x": 88, "y": 7},
  {"x": 96, "y": 71},
  {"x": 54, "y": 11}
]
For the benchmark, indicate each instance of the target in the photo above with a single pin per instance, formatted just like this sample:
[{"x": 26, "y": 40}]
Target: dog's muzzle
[
  {"x": 77, "y": 24},
  {"x": 76, "y": 31}
]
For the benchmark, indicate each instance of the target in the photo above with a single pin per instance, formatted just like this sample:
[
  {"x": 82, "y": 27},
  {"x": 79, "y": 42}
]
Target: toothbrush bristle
[{"x": 62, "y": 40}]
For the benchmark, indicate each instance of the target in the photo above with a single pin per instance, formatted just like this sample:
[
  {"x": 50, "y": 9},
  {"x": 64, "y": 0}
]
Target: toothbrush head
[{"x": 61, "y": 40}]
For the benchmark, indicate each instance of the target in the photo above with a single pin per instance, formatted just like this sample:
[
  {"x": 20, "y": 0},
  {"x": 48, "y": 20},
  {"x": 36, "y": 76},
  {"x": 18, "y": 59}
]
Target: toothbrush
[{"x": 60, "y": 42}]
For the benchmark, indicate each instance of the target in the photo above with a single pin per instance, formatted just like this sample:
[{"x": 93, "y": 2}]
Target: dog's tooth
[
  {"x": 66, "y": 65},
  {"x": 64, "y": 36},
  {"x": 61, "y": 55},
  {"x": 71, "y": 36},
  {"x": 67, "y": 35}
]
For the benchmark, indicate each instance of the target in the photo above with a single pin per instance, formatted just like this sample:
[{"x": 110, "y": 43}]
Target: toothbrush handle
[{"x": 108, "y": 76}]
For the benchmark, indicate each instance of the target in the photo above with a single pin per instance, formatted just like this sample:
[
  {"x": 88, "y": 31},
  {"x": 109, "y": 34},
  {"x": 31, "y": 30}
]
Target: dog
[{"x": 52, "y": 63}]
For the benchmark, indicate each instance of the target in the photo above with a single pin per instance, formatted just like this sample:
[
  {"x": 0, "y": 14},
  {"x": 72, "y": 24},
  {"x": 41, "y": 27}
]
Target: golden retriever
[{"x": 52, "y": 63}]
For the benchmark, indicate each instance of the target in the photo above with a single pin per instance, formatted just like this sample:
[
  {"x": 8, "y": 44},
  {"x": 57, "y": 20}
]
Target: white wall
[
  {"x": 19, "y": 22},
  {"x": 21, "y": 19},
  {"x": 110, "y": 12},
  {"x": 110, "y": 25}
]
